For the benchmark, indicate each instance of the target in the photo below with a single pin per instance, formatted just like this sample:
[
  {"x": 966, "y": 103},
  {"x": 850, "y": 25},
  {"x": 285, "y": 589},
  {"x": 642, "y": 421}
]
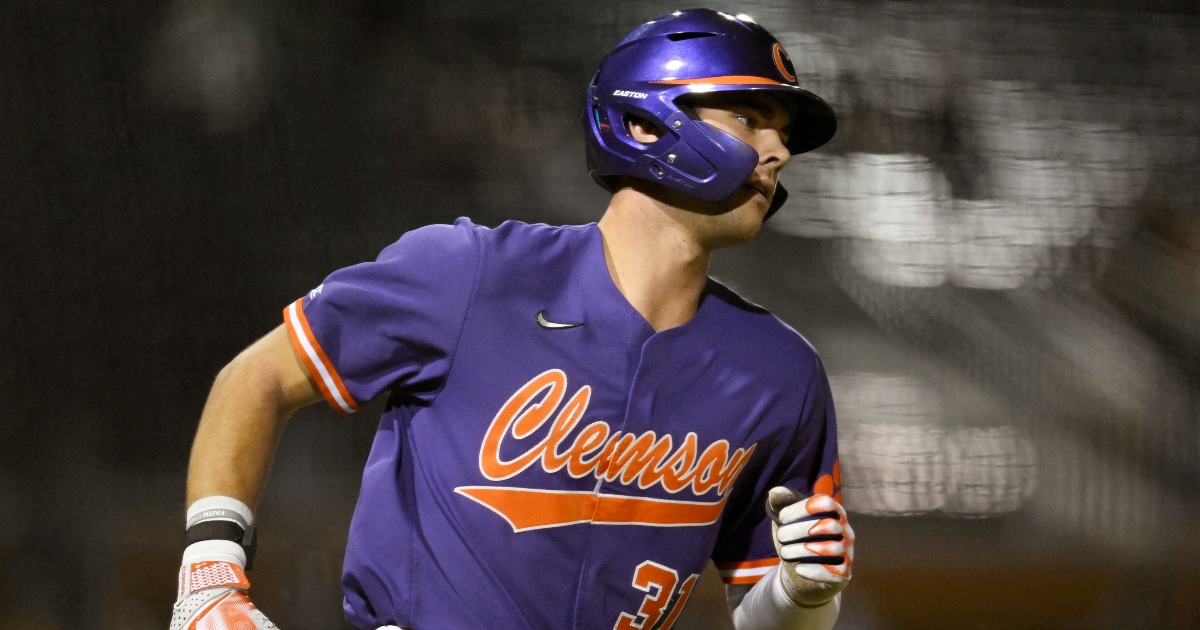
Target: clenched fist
[{"x": 815, "y": 542}]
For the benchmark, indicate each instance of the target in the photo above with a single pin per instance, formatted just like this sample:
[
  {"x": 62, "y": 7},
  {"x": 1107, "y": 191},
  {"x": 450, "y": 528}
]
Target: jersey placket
[{"x": 671, "y": 553}]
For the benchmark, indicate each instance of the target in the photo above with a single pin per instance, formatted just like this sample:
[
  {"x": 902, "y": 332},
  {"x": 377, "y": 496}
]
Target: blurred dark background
[{"x": 998, "y": 258}]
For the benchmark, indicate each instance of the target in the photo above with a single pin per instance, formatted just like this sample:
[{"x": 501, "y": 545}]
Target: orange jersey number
[{"x": 658, "y": 582}]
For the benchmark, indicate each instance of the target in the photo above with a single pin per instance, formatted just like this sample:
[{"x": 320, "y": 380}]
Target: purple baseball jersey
[{"x": 547, "y": 460}]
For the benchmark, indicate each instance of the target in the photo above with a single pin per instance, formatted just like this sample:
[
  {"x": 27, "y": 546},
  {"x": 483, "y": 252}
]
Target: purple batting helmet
[{"x": 688, "y": 52}]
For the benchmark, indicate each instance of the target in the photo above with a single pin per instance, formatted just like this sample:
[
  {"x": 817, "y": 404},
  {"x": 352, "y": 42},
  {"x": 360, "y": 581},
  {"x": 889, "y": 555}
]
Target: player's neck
[{"x": 654, "y": 260}]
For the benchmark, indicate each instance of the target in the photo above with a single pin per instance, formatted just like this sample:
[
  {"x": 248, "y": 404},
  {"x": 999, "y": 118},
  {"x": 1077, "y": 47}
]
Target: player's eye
[{"x": 745, "y": 120}]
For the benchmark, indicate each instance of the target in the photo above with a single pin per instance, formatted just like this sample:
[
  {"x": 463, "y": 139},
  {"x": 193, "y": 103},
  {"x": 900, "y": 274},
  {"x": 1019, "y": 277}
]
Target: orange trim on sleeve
[
  {"x": 747, "y": 572},
  {"x": 748, "y": 564},
  {"x": 748, "y": 579},
  {"x": 310, "y": 351}
]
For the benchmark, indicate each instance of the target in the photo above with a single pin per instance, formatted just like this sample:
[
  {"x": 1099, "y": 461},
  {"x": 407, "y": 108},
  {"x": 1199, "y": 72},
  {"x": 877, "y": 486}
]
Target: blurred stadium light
[
  {"x": 992, "y": 471},
  {"x": 901, "y": 456},
  {"x": 994, "y": 245},
  {"x": 893, "y": 470},
  {"x": 210, "y": 59},
  {"x": 896, "y": 216},
  {"x": 890, "y": 443},
  {"x": 815, "y": 209}
]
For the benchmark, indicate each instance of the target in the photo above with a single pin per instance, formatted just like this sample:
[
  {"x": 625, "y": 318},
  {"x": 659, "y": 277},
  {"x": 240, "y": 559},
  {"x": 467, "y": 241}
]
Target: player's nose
[{"x": 772, "y": 151}]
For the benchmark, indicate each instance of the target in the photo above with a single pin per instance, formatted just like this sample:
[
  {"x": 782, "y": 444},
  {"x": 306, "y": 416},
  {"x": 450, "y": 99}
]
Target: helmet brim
[{"x": 813, "y": 120}]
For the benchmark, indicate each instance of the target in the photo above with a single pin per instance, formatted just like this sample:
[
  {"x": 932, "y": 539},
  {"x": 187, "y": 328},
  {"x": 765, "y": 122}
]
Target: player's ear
[{"x": 642, "y": 130}]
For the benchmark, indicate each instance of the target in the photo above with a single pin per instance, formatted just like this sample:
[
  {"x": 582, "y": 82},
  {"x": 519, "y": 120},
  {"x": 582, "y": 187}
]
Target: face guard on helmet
[{"x": 691, "y": 52}]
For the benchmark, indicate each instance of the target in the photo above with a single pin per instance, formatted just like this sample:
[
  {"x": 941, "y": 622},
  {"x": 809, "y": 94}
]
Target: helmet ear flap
[
  {"x": 781, "y": 195},
  {"x": 720, "y": 162}
]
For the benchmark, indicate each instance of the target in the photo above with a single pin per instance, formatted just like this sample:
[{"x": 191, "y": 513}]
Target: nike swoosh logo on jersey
[{"x": 545, "y": 323}]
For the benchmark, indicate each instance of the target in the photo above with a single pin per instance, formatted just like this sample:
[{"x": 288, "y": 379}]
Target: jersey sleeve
[
  {"x": 745, "y": 551},
  {"x": 388, "y": 324}
]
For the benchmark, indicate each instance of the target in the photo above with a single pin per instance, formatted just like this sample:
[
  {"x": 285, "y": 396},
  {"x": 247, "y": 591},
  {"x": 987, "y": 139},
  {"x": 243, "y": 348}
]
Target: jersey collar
[{"x": 606, "y": 305}]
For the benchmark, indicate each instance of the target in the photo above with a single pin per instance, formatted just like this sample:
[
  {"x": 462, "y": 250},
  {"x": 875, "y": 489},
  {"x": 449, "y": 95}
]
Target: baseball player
[{"x": 578, "y": 418}]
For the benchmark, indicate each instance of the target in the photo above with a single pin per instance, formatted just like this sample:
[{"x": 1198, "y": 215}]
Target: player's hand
[
  {"x": 212, "y": 590},
  {"x": 814, "y": 539}
]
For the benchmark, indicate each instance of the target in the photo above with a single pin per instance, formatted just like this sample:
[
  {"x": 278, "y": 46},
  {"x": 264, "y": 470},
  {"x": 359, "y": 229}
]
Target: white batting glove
[
  {"x": 212, "y": 590},
  {"x": 814, "y": 539}
]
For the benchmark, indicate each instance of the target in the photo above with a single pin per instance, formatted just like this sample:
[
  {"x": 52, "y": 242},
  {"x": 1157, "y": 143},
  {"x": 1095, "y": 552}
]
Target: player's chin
[
  {"x": 739, "y": 225},
  {"x": 747, "y": 216}
]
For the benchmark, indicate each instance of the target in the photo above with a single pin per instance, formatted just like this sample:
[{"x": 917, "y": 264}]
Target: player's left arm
[{"x": 816, "y": 548}]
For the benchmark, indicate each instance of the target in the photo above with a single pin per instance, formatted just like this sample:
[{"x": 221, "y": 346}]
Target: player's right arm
[
  {"x": 247, "y": 409},
  {"x": 390, "y": 324},
  {"x": 250, "y": 403}
]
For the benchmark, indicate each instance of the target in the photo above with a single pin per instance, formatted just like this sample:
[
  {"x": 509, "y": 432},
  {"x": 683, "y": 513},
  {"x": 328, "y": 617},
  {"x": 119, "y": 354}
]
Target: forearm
[
  {"x": 249, "y": 404},
  {"x": 247, "y": 409},
  {"x": 767, "y": 607}
]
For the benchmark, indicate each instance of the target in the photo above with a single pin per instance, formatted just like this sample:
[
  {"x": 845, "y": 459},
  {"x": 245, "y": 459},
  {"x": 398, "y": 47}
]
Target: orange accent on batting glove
[
  {"x": 817, "y": 553},
  {"x": 212, "y": 590}
]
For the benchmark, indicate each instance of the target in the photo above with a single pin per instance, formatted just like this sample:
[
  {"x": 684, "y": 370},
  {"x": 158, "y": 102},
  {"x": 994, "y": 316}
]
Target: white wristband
[{"x": 220, "y": 508}]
